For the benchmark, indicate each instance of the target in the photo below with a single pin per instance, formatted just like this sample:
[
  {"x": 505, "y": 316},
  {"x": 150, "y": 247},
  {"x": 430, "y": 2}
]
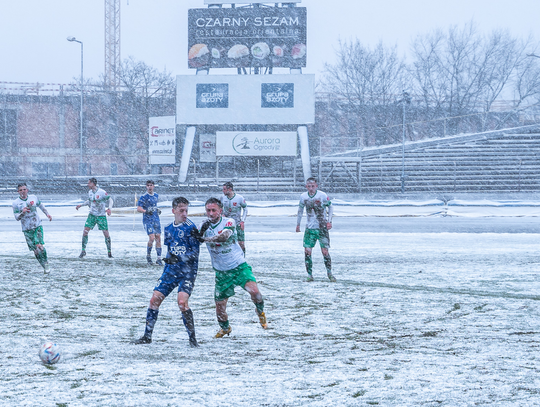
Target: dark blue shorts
[
  {"x": 181, "y": 275},
  {"x": 152, "y": 228}
]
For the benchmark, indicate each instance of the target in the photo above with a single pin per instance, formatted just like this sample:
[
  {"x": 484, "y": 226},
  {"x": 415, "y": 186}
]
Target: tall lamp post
[
  {"x": 82, "y": 169},
  {"x": 404, "y": 102}
]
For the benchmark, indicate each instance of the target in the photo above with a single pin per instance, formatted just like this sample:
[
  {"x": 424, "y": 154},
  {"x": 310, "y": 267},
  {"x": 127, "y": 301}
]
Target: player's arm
[
  {"x": 222, "y": 237},
  {"x": 330, "y": 210},
  {"x": 44, "y": 210},
  {"x": 85, "y": 203},
  {"x": 299, "y": 216},
  {"x": 109, "y": 209},
  {"x": 243, "y": 215},
  {"x": 17, "y": 213}
]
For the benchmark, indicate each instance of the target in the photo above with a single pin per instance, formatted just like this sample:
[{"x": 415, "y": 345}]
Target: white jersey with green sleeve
[
  {"x": 98, "y": 201},
  {"x": 234, "y": 207},
  {"x": 225, "y": 255},
  {"x": 29, "y": 220},
  {"x": 320, "y": 202}
]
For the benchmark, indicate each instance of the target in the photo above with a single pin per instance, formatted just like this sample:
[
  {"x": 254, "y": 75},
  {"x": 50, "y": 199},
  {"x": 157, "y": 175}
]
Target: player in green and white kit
[
  {"x": 319, "y": 221},
  {"x": 234, "y": 206},
  {"x": 100, "y": 204},
  {"x": 25, "y": 211},
  {"x": 219, "y": 234}
]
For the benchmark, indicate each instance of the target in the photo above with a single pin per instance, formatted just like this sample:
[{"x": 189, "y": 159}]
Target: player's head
[
  {"x": 228, "y": 188},
  {"x": 311, "y": 185},
  {"x": 22, "y": 189},
  {"x": 150, "y": 186},
  {"x": 213, "y": 207},
  {"x": 92, "y": 183},
  {"x": 180, "y": 209}
]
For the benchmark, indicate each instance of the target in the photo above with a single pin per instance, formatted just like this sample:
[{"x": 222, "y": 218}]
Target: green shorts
[
  {"x": 34, "y": 237},
  {"x": 226, "y": 281},
  {"x": 240, "y": 234},
  {"x": 93, "y": 220},
  {"x": 312, "y": 235}
]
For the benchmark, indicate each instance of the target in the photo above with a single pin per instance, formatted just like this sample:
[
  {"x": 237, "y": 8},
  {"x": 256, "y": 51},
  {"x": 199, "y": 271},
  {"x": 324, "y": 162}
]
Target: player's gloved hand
[
  {"x": 205, "y": 226},
  {"x": 171, "y": 259},
  {"x": 158, "y": 211},
  {"x": 197, "y": 235},
  {"x": 150, "y": 211}
]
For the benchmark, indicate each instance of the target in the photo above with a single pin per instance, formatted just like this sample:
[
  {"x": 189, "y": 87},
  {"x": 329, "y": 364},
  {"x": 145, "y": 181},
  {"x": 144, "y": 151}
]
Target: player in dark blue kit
[
  {"x": 181, "y": 239},
  {"x": 147, "y": 205}
]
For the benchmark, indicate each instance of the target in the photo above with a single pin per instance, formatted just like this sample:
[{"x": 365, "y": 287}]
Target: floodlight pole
[
  {"x": 406, "y": 100},
  {"x": 81, "y": 172}
]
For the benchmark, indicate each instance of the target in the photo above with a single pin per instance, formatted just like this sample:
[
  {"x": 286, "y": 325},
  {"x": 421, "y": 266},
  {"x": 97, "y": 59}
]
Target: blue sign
[
  {"x": 212, "y": 95},
  {"x": 277, "y": 95}
]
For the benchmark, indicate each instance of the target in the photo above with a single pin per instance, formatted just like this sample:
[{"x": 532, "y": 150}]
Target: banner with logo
[
  {"x": 247, "y": 37},
  {"x": 256, "y": 143},
  {"x": 207, "y": 148},
  {"x": 162, "y": 140},
  {"x": 245, "y": 99}
]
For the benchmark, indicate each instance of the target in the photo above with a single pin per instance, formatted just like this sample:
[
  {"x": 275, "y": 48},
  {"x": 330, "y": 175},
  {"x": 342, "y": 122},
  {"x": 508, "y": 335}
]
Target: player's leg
[
  {"x": 86, "y": 230},
  {"x": 224, "y": 289},
  {"x": 151, "y": 317},
  {"x": 325, "y": 244},
  {"x": 310, "y": 238},
  {"x": 151, "y": 239},
  {"x": 256, "y": 296},
  {"x": 187, "y": 317},
  {"x": 158, "y": 247},
  {"x": 223, "y": 318},
  {"x": 241, "y": 238},
  {"x": 104, "y": 227}
]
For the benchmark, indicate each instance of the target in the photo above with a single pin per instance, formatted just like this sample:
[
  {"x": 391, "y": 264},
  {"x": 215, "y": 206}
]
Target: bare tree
[{"x": 366, "y": 84}]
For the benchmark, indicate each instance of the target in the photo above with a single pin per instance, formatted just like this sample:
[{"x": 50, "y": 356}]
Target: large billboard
[
  {"x": 162, "y": 140},
  {"x": 247, "y": 37},
  {"x": 256, "y": 143},
  {"x": 245, "y": 99}
]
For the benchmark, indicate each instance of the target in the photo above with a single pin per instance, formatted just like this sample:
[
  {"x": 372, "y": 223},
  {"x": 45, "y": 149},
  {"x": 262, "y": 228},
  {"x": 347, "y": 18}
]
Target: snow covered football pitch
[{"x": 426, "y": 311}]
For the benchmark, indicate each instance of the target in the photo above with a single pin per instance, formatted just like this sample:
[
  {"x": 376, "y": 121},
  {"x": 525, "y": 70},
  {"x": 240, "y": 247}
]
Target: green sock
[
  {"x": 84, "y": 241},
  {"x": 224, "y": 325},
  {"x": 328, "y": 264},
  {"x": 309, "y": 264},
  {"x": 108, "y": 243},
  {"x": 41, "y": 258}
]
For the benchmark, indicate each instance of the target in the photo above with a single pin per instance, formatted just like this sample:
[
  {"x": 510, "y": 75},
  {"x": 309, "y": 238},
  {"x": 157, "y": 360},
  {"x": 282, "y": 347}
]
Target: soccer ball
[{"x": 49, "y": 353}]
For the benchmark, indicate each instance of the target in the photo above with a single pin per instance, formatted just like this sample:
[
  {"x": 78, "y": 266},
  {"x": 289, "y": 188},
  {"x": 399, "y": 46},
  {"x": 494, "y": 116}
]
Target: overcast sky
[{"x": 33, "y": 44}]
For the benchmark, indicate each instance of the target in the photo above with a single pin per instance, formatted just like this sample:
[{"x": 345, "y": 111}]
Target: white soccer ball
[{"x": 49, "y": 353}]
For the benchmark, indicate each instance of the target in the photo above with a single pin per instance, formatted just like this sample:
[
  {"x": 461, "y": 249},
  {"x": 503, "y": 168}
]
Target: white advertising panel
[
  {"x": 255, "y": 143},
  {"x": 245, "y": 99},
  {"x": 207, "y": 148},
  {"x": 162, "y": 140}
]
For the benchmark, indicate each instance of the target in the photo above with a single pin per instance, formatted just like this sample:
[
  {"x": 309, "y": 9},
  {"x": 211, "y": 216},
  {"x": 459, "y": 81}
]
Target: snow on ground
[{"x": 419, "y": 316}]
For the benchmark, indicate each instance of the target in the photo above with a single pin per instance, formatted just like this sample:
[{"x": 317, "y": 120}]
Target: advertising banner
[
  {"x": 256, "y": 143},
  {"x": 245, "y": 99},
  {"x": 207, "y": 148},
  {"x": 247, "y": 37},
  {"x": 162, "y": 140}
]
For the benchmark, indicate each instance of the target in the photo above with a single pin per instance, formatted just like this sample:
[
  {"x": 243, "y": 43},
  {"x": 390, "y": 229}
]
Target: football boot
[
  {"x": 262, "y": 320},
  {"x": 222, "y": 332}
]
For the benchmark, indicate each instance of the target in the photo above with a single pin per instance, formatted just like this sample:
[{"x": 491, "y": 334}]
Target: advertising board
[
  {"x": 245, "y": 1},
  {"x": 247, "y": 37},
  {"x": 256, "y": 143},
  {"x": 245, "y": 99},
  {"x": 207, "y": 148},
  {"x": 162, "y": 140}
]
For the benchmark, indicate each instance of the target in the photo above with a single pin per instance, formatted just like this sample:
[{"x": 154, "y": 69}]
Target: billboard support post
[
  {"x": 186, "y": 153},
  {"x": 304, "y": 151}
]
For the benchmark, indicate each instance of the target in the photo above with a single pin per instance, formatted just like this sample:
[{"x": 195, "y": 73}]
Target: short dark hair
[
  {"x": 311, "y": 179},
  {"x": 149, "y": 182},
  {"x": 22, "y": 184},
  {"x": 179, "y": 200},
  {"x": 228, "y": 184},
  {"x": 93, "y": 180},
  {"x": 216, "y": 201}
]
